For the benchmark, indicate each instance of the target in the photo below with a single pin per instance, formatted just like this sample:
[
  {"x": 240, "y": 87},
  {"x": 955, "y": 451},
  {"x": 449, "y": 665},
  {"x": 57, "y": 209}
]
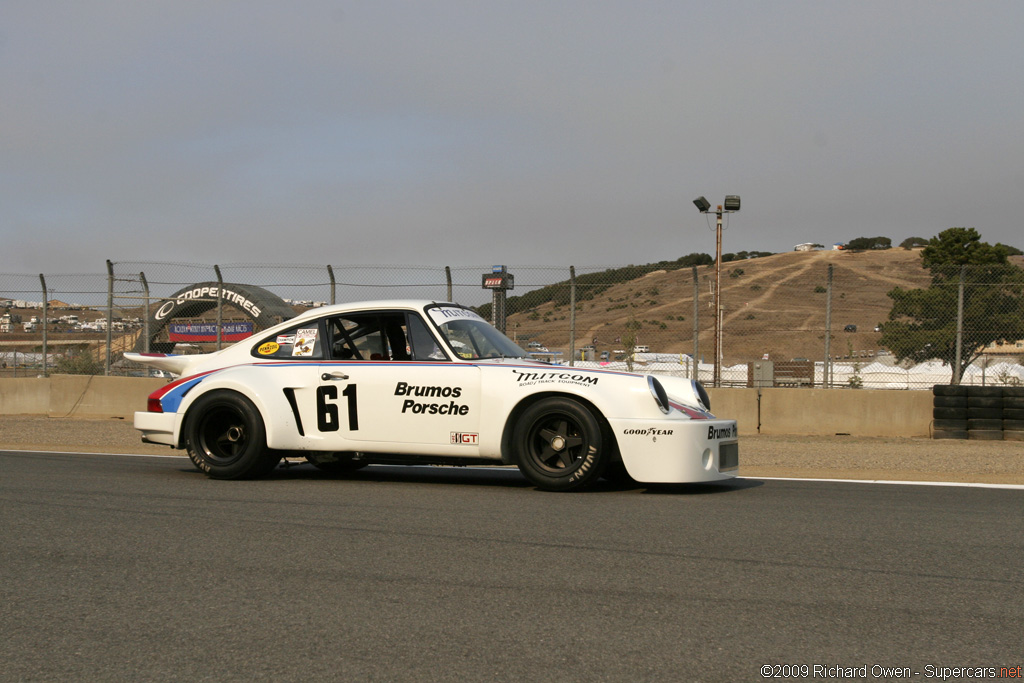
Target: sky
[{"x": 532, "y": 133}]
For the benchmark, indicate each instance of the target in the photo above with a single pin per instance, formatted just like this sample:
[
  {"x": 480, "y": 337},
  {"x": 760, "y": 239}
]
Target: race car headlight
[
  {"x": 660, "y": 396},
  {"x": 702, "y": 394}
]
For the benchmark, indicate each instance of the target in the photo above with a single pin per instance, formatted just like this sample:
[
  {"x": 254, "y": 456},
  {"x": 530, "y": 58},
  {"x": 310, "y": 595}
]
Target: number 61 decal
[{"x": 327, "y": 412}]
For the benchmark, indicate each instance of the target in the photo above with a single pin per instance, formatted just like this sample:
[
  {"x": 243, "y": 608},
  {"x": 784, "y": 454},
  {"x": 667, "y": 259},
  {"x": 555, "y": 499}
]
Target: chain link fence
[{"x": 828, "y": 320}]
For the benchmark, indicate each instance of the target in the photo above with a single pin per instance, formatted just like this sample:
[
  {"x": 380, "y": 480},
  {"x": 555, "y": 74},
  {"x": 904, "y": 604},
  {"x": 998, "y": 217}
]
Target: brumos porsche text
[
  {"x": 722, "y": 432},
  {"x": 413, "y": 406}
]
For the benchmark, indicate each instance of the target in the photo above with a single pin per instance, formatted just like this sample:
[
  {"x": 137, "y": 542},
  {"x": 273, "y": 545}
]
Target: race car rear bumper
[
  {"x": 157, "y": 427},
  {"x": 678, "y": 451}
]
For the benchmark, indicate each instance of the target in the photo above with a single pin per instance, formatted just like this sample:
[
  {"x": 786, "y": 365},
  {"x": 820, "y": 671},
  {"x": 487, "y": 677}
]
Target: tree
[
  {"x": 912, "y": 242},
  {"x": 745, "y": 255},
  {"x": 923, "y": 322},
  {"x": 869, "y": 243}
]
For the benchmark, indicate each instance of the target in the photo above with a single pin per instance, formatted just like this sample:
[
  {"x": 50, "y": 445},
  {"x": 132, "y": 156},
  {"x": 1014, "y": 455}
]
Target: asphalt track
[{"x": 140, "y": 568}]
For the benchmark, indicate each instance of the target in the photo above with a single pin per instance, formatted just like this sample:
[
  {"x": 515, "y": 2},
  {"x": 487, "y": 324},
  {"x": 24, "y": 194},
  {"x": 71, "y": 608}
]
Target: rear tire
[{"x": 227, "y": 438}]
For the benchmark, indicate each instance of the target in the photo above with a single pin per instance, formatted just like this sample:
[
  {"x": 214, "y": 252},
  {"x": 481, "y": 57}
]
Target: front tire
[
  {"x": 559, "y": 445},
  {"x": 227, "y": 438}
]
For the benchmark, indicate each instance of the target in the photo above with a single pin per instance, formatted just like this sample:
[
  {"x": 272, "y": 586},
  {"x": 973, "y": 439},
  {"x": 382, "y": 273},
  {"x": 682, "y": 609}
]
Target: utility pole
[{"x": 731, "y": 205}]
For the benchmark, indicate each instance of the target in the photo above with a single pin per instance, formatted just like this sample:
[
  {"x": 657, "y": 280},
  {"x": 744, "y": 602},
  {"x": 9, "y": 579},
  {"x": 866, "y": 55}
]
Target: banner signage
[{"x": 207, "y": 332}]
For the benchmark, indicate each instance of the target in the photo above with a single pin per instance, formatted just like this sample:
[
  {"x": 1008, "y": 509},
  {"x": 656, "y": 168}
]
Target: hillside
[{"x": 774, "y": 304}]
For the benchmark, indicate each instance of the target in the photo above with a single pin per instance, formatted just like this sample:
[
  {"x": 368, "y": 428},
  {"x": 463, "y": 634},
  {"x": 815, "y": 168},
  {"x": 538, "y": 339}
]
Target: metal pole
[
  {"x": 826, "y": 372},
  {"x": 145, "y": 313},
  {"x": 330, "y": 274},
  {"x": 960, "y": 329},
  {"x": 572, "y": 316},
  {"x": 448, "y": 278},
  {"x": 717, "y": 380},
  {"x": 110, "y": 314},
  {"x": 696, "y": 325},
  {"x": 220, "y": 304},
  {"x": 42, "y": 281}
]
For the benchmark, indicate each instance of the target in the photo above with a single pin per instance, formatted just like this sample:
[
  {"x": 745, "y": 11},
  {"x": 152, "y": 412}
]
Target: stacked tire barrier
[{"x": 979, "y": 413}]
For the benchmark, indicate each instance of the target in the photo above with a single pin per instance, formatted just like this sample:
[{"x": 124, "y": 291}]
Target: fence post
[
  {"x": 110, "y": 315},
  {"x": 448, "y": 277},
  {"x": 220, "y": 303},
  {"x": 330, "y": 274},
  {"x": 960, "y": 327},
  {"x": 572, "y": 316},
  {"x": 46, "y": 303},
  {"x": 696, "y": 326},
  {"x": 145, "y": 312},
  {"x": 826, "y": 371}
]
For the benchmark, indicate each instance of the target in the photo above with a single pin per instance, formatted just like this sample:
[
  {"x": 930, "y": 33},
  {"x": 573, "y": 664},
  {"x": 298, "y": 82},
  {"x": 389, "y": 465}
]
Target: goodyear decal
[{"x": 647, "y": 431}]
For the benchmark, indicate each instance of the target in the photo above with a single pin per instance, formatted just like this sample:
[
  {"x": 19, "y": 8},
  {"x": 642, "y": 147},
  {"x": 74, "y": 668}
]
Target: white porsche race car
[{"x": 421, "y": 382}]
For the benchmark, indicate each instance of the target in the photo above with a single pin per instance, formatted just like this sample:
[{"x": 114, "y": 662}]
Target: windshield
[{"x": 470, "y": 336}]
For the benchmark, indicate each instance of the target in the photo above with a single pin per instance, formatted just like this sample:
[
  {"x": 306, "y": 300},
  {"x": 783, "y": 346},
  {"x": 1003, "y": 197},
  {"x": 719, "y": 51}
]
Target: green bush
[{"x": 78, "y": 362}]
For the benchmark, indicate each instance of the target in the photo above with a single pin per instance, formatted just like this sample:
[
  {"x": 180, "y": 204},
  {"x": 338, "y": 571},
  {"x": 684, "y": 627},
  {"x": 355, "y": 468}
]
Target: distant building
[
  {"x": 838, "y": 246},
  {"x": 806, "y": 246},
  {"x": 1004, "y": 348}
]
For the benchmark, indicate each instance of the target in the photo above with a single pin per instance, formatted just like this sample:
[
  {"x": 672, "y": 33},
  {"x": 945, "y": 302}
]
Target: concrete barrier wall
[
  {"x": 859, "y": 412},
  {"x": 76, "y": 395},
  {"x": 824, "y": 412},
  {"x": 24, "y": 396}
]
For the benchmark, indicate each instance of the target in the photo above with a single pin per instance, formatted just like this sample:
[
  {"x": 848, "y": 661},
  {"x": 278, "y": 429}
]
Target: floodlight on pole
[{"x": 731, "y": 205}]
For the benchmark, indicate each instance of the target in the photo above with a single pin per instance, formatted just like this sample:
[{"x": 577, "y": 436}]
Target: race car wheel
[
  {"x": 559, "y": 446},
  {"x": 339, "y": 463},
  {"x": 227, "y": 437},
  {"x": 194, "y": 457}
]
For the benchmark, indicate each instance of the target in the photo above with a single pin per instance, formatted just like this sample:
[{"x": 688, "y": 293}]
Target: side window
[
  {"x": 302, "y": 341},
  {"x": 422, "y": 344},
  {"x": 369, "y": 336}
]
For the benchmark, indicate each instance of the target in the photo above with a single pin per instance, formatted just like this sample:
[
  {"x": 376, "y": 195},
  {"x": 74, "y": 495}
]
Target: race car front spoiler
[{"x": 678, "y": 451}]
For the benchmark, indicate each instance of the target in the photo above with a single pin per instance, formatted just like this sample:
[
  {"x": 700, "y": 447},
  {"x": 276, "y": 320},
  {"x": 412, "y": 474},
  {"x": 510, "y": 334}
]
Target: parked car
[
  {"x": 420, "y": 382},
  {"x": 850, "y": 328}
]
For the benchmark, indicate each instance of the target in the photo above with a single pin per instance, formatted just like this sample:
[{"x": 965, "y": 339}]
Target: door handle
[{"x": 337, "y": 374}]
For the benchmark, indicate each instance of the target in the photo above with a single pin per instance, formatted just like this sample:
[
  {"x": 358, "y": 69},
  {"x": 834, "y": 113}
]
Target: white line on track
[{"x": 977, "y": 485}]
